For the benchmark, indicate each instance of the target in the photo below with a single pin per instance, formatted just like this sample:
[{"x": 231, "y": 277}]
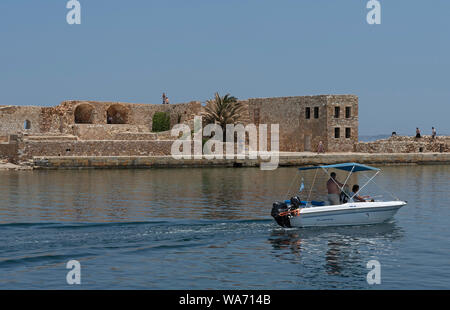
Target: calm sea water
[{"x": 211, "y": 229}]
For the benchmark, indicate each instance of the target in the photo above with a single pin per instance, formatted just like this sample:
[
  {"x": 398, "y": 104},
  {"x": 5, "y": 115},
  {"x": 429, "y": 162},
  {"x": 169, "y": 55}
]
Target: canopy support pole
[
  {"x": 366, "y": 184},
  {"x": 340, "y": 188},
  {"x": 312, "y": 185},
  {"x": 384, "y": 189},
  {"x": 348, "y": 176},
  {"x": 295, "y": 178}
]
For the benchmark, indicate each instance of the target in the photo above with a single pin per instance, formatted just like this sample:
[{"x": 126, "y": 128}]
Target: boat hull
[{"x": 363, "y": 213}]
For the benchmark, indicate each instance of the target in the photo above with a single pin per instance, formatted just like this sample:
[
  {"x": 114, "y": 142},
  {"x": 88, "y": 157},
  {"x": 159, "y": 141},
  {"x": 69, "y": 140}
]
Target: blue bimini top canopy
[{"x": 347, "y": 167}]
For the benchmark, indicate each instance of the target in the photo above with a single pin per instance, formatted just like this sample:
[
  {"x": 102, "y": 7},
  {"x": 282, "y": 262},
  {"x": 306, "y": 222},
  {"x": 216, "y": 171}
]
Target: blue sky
[{"x": 134, "y": 50}]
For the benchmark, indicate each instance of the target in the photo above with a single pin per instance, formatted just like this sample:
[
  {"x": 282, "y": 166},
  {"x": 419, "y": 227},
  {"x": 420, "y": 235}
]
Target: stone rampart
[
  {"x": 402, "y": 144},
  {"x": 30, "y": 149}
]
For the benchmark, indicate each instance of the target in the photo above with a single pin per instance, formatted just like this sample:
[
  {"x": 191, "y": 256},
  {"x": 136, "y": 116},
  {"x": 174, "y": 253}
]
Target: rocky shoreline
[{"x": 4, "y": 165}]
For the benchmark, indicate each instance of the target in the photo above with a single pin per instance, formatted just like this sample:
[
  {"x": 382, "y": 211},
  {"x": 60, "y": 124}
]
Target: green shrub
[{"x": 161, "y": 122}]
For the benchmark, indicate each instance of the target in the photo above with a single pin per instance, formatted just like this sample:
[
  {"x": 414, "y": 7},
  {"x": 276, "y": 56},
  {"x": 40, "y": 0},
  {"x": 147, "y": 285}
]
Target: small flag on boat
[{"x": 302, "y": 186}]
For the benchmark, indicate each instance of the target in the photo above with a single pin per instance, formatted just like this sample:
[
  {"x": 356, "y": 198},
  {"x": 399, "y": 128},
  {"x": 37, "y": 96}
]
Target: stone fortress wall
[
  {"x": 88, "y": 128},
  {"x": 307, "y": 120},
  {"x": 402, "y": 144},
  {"x": 91, "y": 128},
  {"x": 72, "y": 117}
]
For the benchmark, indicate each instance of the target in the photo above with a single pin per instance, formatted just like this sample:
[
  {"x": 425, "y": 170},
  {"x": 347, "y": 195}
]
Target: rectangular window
[
  {"x": 337, "y": 111},
  {"x": 348, "y": 112},
  {"x": 316, "y": 112},
  {"x": 348, "y": 133},
  {"x": 337, "y": 132},
  {"x": 308, "y": 113}
]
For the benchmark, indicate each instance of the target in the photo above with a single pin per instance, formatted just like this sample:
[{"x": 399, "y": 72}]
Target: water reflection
[
  {"x": 174, "y": 244},
  {"x": 335, "y": 253},
  {"x": 339, "y": 247},
  {"x": 286, "y": 239}
]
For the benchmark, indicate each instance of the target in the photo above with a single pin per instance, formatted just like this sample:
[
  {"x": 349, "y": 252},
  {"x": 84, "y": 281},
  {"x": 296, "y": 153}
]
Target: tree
[{"x": 222, "y": 111}]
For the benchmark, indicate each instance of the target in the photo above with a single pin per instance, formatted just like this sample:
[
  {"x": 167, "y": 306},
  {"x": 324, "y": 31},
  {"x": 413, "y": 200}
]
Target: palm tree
[{"x": 222, "y": 111}]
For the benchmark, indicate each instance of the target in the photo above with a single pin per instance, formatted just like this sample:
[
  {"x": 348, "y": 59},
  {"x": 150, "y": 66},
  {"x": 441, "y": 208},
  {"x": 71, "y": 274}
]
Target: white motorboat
[{"x": 298, "y": 213}]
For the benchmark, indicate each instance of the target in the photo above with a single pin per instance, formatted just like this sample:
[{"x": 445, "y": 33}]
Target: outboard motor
[
  {"x": 279, "y": 207},
  {"x": 296, "y": 202}
]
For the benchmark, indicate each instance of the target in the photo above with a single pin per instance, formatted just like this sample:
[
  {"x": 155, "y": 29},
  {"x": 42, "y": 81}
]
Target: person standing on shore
[
  {"x": 164, "y": 98},
  {"x": 320, "y": 148},
  {"x": 418, "y": 136},
  {"x": 433, "y": 133}
]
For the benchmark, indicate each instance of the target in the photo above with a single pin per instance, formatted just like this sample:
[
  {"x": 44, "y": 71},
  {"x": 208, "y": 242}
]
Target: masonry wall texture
[
  {"x": 13, "y": 118},
  {"x": 9, "y": 151},
  {"x": 63, "y": 118},
  {"x": 402, "y": 144},
  {"x": 305, "y": 121},
  {"x": 94, "y": 148},
  {"x": 81, "y": 129},
  {"x": 299, "y": 159},
  {"x": 90, "y": 128}
]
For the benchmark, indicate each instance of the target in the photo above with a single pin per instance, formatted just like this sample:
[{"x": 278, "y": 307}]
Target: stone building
[
  {"x": 307, "y": 120},
  {"x": 89, "y": 128}
]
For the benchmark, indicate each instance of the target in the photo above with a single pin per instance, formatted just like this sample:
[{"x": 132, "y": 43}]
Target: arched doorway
[
  {"x": 84, "y": 114},
  {"x": 117, "y": 114}
]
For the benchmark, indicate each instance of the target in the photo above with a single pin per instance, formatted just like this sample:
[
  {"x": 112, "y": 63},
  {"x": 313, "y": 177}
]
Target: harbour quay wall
[{"x": 285, "y": 159}]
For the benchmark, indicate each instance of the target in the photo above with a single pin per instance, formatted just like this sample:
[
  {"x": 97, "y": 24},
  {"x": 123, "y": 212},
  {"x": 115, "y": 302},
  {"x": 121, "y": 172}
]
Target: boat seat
[
  {"x": 318, "y": 203},
  {"x": 314, "y": 203}
]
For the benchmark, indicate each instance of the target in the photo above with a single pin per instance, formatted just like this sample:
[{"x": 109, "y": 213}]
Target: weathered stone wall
[
  {"x": 105, "y": 132},
  {"x": 118, "y": 132},
  {"x": 301, "y": 130},
  {"x": 61, "y": 118},
  {"x": 402, "y": 144},
  {"x": 13, "y": 118},
  {"x": 68, "y": 162},
  {"x": 289, "y": 113},
  {"x": 9, "y": 152},
  {"x": 347, "y": 124},
  {"x": 104, "y": 121},
  {"x": 29, "y": 149}
]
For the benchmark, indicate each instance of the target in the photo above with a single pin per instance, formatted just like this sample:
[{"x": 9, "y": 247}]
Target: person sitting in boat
[
  {"x": 357, "y": 198},
  {"x": 333, "y": 186},
  {"x": 345, "y": 194}
]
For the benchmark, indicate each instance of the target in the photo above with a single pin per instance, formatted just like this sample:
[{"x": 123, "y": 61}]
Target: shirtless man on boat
[{"x": 333, "y": 190}]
